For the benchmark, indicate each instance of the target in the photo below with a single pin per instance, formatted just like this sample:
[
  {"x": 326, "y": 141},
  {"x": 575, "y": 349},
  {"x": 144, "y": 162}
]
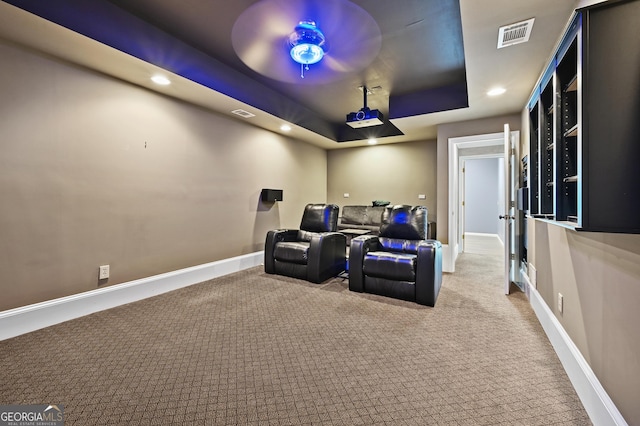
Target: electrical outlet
[
  {"x": 422, "y": 197},
  {"x": 345, "y": 195},
  {"x": 103, "y": 273},
  {"x": 560, "y": 302}
]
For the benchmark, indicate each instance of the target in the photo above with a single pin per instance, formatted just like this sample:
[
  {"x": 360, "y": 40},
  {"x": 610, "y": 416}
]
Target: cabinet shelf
[
  {"x": 572, "y": 85},
  {"x": 562, "y": 223},
  {"x": 544, "y": 217},
  {"x": 570, "y": 179},
  {"x": 573, "y": 131},
  {"x": 551, "y": 147}
]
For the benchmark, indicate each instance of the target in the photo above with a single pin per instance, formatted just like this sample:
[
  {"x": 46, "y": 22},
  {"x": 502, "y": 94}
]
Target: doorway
[
  {"x": 481, "y": 203},
  {"x": 466, "y": 147},
  {"x": 460, "y": 149}
]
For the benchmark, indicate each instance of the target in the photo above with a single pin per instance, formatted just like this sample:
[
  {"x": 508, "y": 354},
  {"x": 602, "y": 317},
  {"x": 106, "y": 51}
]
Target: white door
[
  {"x": 509, "y": 206},
  {"x": 461, "y": 216}
]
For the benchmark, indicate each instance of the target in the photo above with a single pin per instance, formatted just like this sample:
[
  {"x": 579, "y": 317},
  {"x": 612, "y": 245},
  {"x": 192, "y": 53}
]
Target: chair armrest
[
  {"x": 327, "y": 256},
  {"x": 273, "y": 237},
  {"x": 428, "y": 272},
  {"x": 359, "y": 247}
]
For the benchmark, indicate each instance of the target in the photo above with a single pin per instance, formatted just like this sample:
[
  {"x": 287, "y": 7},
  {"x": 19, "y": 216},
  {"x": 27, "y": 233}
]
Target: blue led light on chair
[{"x": 307, "y": 45}]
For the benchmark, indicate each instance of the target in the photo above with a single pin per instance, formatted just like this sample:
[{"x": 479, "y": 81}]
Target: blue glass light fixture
[{"x": 307, "y": 45}]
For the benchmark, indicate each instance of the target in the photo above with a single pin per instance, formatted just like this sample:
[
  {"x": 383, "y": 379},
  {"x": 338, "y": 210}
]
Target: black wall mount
[{"x": 271, "y": 195}]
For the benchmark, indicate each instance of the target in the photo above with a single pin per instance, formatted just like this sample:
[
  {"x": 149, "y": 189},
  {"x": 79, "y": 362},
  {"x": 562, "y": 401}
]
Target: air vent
[
  {"x": 515, "y": 33},
  {"x": 242, "y": 113}
]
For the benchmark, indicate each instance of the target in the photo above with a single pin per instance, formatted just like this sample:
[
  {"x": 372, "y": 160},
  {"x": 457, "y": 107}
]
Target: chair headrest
[
  {"x": 320, "y": 218},
  {"x": 405, "y": 222}
]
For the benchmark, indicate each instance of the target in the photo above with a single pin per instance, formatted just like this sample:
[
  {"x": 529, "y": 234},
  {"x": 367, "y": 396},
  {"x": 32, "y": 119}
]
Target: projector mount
[{"x": 365, "y": 117}]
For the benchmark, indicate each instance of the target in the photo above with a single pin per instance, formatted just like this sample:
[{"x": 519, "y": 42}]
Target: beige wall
[
  {"x": 394, "y": 172},
  {"x": 95, "y": 171},
  {"x": 455, "y": 130},
  {"x": 598, "y": 275}
]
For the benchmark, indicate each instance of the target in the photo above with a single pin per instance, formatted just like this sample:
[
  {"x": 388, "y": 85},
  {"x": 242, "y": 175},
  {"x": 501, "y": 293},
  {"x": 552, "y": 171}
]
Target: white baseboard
[
  {"x": 599, "y": 406},
  {"x": 25, "y": 319},
  {"x": 479, "y": 243}
]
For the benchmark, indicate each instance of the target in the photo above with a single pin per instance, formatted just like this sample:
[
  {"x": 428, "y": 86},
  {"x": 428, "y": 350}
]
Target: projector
[{"x": 364, "y": 118}]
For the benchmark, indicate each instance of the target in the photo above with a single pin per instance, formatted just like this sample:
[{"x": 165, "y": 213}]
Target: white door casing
[
  {"x": 510, "y": 140},
  {"x": 453, "y": 248}
]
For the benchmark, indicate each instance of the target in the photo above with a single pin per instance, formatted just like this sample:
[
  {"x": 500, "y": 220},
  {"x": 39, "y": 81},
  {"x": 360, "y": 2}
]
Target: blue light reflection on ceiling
[{"x": 106, "y": 23}]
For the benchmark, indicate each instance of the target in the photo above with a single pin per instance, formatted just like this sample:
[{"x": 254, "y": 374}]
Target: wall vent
[
  {"x": 515, "y": 33},
  {"x": 242, "y": 113}
]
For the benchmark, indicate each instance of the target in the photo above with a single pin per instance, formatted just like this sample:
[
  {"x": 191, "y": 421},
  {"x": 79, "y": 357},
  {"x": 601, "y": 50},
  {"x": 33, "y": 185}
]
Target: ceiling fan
[{"x": 264, "y": 37}]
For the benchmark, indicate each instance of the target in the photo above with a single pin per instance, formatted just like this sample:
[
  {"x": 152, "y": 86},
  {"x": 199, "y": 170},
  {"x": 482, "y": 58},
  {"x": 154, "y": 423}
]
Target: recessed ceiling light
[
  {"x": 372, "y": 141},
  {"x": 496, "y": 91},
  {"x": 161, "y": 80},
  {"x": 285, "y": 128}
]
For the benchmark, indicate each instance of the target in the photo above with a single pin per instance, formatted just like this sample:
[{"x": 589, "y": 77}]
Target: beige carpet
[{"x": 257, "y": 349}]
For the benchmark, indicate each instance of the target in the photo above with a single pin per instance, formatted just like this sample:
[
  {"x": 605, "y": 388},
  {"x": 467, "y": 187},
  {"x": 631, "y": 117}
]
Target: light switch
[{"x": 560, "y": 302}]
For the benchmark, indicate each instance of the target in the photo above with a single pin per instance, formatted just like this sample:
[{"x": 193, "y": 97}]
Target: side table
[{"x": 350, "y": 233}]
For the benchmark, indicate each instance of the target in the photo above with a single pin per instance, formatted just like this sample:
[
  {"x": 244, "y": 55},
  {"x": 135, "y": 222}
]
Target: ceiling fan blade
[{"x": 260, "y": 35}]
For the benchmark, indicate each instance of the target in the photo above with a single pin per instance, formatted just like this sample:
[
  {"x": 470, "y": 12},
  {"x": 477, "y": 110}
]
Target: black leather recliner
[
  {"x": 315, "y": 252},
  {"x": 400, "y": 262}
]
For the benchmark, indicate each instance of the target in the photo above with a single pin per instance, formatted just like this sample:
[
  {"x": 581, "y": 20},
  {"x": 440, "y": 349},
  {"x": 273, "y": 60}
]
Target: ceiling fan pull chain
[{"x": 302, "y": 70}]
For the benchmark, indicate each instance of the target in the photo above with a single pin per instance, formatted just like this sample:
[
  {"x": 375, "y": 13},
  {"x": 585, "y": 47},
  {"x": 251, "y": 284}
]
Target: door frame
[
  {"x": 509, "y": 214},
  {"x": 455, "y": 145}
]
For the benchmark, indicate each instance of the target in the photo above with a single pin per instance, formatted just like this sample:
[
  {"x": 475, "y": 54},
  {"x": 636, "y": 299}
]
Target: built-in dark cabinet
[
  {"x": 584, "y": 121},
  {"x": 547, "y": 150},
  {"x": 567, "y": 127}
]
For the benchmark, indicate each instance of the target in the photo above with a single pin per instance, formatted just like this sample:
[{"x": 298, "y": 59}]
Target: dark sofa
[
  {"x": 361, "y": 217},
  {"x": 370, "y": 218}
]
